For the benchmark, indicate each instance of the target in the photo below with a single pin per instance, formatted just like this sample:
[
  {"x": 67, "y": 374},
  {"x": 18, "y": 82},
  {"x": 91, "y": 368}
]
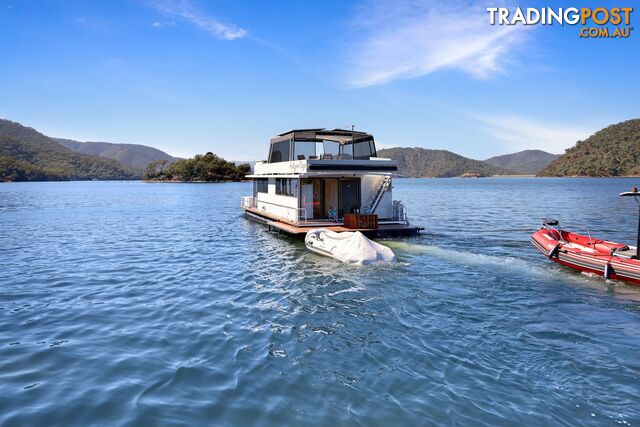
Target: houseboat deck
[{"x": 279, "y": 224}]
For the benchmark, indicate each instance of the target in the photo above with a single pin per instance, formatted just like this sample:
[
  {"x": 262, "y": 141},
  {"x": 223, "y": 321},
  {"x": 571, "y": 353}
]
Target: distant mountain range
[
  {"x": 28, "y": 155},
  {"x": 421, "y": 162},
  {"x": 135, "y": 155},
  {"x": 527, "y": 162},
  {"x": 612, "y": 151}
]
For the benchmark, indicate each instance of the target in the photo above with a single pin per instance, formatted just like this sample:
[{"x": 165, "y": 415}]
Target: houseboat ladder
[{"x": 384, "y": 186}]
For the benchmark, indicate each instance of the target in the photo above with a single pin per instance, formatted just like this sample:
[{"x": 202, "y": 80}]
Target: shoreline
[
  {"x": 515, "y": 176},
  {"x": 153, "y": 181},
  {"x": 169, "y": 181}
]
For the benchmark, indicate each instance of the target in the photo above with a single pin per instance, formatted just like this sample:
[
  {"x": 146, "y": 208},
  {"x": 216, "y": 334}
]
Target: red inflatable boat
[{"x": 608, "y": 259}]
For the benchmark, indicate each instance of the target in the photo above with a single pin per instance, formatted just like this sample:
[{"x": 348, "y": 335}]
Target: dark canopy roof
[{"x": 341, "y": 136}]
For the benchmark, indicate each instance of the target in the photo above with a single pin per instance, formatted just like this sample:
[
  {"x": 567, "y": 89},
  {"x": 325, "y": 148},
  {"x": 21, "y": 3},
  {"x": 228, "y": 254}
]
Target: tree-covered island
[{"x": 201, "y": 168}]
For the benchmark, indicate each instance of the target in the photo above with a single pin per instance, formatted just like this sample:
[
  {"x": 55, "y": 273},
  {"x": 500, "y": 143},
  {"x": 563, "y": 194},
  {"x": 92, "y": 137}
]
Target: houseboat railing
[
  {"x": 248, "y": 202},
  {"x": 399, "y": 211}
]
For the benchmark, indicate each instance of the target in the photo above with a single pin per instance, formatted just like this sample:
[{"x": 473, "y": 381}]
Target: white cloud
[
  {"x": 184, "y": 9},
  {"x": 520, "y": 133},
  {"x": 156, "y": 24},
  {"x": 400, "y": 40}
]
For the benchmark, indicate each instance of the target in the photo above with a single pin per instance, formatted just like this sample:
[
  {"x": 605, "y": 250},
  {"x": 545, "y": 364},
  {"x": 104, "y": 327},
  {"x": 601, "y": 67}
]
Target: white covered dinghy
[{"x": 348, "y": 247}]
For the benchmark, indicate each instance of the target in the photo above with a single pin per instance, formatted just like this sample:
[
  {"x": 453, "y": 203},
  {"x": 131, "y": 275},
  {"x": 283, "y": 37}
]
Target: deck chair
[{"x": 332, "y": 214}]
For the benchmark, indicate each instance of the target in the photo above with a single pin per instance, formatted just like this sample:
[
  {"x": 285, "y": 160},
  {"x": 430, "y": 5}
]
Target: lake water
[{"x": 127, "y": 303}]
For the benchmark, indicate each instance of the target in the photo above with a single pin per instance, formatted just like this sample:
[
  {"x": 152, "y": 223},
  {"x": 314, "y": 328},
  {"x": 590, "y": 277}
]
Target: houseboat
[{"x": 326, "y": 178}]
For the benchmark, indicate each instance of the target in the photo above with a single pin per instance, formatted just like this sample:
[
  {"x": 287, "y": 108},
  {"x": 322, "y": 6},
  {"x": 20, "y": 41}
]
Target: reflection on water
[{"x": 139, "y": 303}]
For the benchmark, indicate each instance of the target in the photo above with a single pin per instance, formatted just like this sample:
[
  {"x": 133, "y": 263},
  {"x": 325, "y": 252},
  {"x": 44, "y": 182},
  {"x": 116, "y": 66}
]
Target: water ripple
[{"x": 159, "y": 304}]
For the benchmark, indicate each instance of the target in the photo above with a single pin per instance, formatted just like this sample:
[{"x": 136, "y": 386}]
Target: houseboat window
[
  {"x": 304, "y": 150},
  {"x": 346, "y": 151},
  {"x": 260, "y": 185},
  {"x": 280, "y": 152},
  {"x": 287, "y": 187},
  {"x": 363, "y": 150},
  {"x": 331, "y": 148}
]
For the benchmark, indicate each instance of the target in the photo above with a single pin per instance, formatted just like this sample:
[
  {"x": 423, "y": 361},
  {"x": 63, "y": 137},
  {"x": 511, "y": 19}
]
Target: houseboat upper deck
[{"x": 326, "y": 178}]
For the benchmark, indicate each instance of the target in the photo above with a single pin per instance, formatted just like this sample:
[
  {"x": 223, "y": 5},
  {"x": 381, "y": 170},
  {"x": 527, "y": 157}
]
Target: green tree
[{"x": 155, "y": 169}]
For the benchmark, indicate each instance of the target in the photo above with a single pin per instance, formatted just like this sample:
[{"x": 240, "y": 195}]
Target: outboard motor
[{"x": 550, "y": 224}]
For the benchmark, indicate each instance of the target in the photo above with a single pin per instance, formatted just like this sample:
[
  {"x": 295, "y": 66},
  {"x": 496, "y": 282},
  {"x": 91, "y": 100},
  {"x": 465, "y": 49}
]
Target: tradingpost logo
[{"x": 598, "y": 22}]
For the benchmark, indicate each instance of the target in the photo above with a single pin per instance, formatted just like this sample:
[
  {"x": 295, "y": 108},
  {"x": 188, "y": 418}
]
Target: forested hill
[
  {"x": 422, "y": 162},
  {"x": 30, "y": 161},
  {"x": 612, "y": 151},
  {"x": 135, "y": 155},
  {"x": 19, "y": 132},
  {"x": 528, "y": 162},
  {"x": 28, "y": 155}
]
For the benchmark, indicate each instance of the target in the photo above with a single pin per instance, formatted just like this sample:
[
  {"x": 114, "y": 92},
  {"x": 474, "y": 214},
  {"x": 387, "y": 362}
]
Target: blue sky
[{"x": 190, "y": 76}]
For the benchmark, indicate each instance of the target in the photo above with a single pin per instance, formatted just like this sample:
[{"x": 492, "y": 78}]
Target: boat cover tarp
[{"x": 348, "y": 247}]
